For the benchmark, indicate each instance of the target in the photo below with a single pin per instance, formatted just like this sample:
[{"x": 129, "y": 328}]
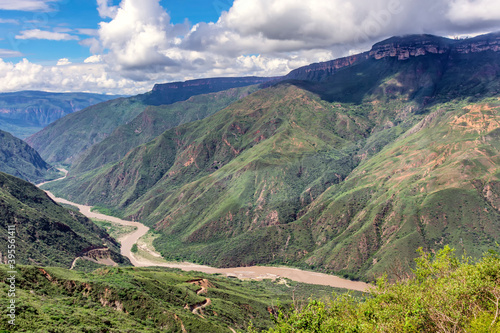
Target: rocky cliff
[{"x": 402, "y": 48}]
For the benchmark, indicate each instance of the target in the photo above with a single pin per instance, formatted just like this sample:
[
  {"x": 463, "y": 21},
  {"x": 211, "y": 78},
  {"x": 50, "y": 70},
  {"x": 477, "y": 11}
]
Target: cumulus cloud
[
  {"x": 138, "y": 35},
  {"x": 41, "y": 34},
  {"x": 26, "y": 5},
  {"x": 70, "y": 77},
  {"x": 105, "y": 10},
  {"x": 63, "y": 62}
]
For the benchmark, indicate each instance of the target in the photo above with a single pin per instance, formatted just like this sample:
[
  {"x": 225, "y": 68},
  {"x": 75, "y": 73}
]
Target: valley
[{"x": 253, "y": 272}]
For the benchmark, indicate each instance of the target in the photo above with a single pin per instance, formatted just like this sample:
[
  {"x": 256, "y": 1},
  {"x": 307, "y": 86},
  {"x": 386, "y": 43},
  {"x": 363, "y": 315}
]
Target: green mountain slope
[
  {"x": 24, "y": 113},
  {"x": 153, "y": 121},
  {"x": 66, "y": 139},
  {"x": 146, "y": 300},
  {"x": 309, "y": 173},
  {"x": 20, "y": 160},
  {"x": 46, "y": 233}
]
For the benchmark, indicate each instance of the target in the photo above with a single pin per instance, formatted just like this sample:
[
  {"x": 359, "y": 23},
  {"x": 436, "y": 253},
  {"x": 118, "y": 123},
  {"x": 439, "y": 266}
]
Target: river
[{"x": 251, "y": 272}]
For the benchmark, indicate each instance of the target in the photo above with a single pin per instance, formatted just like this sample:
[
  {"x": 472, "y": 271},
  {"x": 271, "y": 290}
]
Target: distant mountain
[
  {"x": 65, "y": 140},
  {"x": 24, "y": 113},
  {"x": 19, "y": 159},
  {"x": 46, "y": 233},
  {"x": 348, "y": 173},
  {"x": 169, "y": 93}
]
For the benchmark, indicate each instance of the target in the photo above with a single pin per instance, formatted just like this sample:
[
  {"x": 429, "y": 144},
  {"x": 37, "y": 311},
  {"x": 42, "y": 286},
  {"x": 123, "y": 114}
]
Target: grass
[{"x": 145, "y": 300}]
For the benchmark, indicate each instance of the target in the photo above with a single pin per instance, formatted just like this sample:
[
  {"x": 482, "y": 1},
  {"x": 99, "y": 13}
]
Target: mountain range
[
  {"x": 345, "y": 166},
  {"x": 66, "y": 139},
  {"x": 24, "y": 113}
]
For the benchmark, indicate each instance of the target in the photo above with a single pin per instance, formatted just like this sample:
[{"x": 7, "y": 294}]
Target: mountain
[
  {"x": 24, "y": 113},
  {"x": 153, "y": 121},
  {"x": 349, "y": 173},
  {"x": 66, "y": 139},
  {"x": 46, "y": 233},
  {"x": 169, "y": 93},
  {"x": 19, "y": 159}
]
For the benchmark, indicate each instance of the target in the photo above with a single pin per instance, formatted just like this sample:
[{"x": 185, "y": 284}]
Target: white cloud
[
  {"x": 105, "y": 10},
  {"x": 88, "y": 32},
  {"x": 49, "y": 35},
  {"x": 9, "y": 21},
  {"x": 26, "y": 5},
  {"x": 94, "y": 59},
  {"x": 138, "y": 45},
  {"x": 63, "y": 62},
  {"x": 137, "y": 35},
  {"x": 9, "y": 53},
  {"x": 465, "y": 12},
  {"x": 71, "y": 77}
]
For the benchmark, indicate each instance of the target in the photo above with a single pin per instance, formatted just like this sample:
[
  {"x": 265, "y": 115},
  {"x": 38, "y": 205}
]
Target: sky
[{"x": 126, "y": 46}]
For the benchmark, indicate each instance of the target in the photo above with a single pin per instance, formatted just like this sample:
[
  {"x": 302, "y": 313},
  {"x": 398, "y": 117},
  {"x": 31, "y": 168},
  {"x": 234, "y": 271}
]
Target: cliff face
[
  {"x": 318, "y": 71},
  {"x": 402, "y": 48}
]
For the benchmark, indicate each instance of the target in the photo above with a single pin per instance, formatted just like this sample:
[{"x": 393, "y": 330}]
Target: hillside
[
  {"x": 67, "y": 138},
  {"x": 146, "y": 300},
  {"x": 24, "y": 113},
  {"x": 19, "y": 159},
  {"x": 153, "y": 121},
  {"x": 46, "y": 233},
  {"x": 349, "y": 174}
]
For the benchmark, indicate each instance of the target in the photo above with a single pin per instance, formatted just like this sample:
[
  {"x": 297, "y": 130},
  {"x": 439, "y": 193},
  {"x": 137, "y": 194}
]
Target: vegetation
[
  {"x": 348, "y": 174},
  {"x": 344, "y": 187},
  {"x": 445, "y": 294},
  {"x": 115, "y": 230},
  {"x": 46, "y": 233},
  {"x": 144, "y": 300},
  {"x": 65, "y": 140},
  {"x": 153, "y": 121}
]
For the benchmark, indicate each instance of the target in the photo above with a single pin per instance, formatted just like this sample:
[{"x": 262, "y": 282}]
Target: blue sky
[
  {"x": 125, "y": 46},
  {"x": 82, "y": 14}
]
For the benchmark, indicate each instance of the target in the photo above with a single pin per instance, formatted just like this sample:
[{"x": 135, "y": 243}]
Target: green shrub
[{"x": 445, "y": 295}]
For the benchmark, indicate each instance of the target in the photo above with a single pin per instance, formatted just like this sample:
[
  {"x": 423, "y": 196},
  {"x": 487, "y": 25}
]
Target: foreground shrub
[{"x": 445, "y": 295}]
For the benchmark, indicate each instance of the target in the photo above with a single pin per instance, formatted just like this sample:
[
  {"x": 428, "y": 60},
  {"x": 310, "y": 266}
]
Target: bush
[{"x": 446, "y": 295}]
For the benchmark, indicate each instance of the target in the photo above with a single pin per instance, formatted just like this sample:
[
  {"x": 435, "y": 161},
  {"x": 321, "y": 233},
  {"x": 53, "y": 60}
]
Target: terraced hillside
[{"x": 350, "y": 173}]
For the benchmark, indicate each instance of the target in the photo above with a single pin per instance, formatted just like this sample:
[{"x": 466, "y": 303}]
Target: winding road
[{"x": 252, "y": 272}]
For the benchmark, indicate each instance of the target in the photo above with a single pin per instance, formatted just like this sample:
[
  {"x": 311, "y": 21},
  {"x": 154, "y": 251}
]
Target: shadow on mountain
[{"x": 424, "y": 79}]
